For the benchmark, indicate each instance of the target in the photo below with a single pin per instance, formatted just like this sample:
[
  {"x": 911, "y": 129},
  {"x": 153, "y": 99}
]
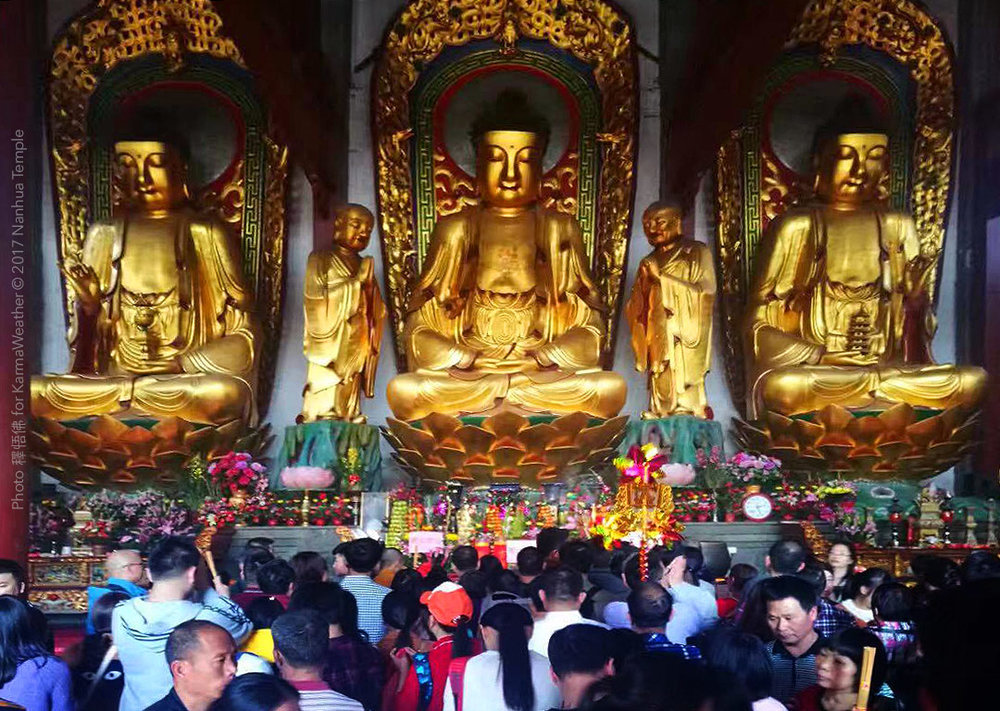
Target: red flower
[{"x": 272, "y": 522}]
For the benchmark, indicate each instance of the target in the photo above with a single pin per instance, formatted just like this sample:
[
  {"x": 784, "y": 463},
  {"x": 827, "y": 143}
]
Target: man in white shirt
[{"x": 562, "y": 594}]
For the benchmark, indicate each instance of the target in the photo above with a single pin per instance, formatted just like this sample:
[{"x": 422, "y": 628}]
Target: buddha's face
[
  {"x": 509, "y": 168},
  {"x": 151, "y": 174},
  {"x": 851, "y": 167},
  {"x": 352, "y": 227},
  {"x": 662, "y": 224}
]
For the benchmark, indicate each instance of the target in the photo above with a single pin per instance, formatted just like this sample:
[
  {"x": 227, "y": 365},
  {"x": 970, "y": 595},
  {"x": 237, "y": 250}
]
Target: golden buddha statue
[
  {"x": 343, "y": 322},
  {"x": 163, "y": 323},
  {"x": 505, "y": 312},
  {"x": 838, "y": 309},
  {"x": 670, "y": 314}
]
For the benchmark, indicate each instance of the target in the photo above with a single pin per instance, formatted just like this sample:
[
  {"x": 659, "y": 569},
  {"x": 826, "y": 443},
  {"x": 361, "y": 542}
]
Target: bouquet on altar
[{"x": 225, "y": 488}]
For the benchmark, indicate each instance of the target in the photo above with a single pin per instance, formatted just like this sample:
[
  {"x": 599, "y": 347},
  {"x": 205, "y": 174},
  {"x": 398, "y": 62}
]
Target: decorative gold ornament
[
  {"x": 595, "y": 32},
  {"x": 503, "y": 448}
]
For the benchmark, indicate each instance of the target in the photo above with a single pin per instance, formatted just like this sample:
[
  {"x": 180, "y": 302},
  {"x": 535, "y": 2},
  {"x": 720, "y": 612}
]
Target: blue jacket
[{"x": 94, "y": 593}]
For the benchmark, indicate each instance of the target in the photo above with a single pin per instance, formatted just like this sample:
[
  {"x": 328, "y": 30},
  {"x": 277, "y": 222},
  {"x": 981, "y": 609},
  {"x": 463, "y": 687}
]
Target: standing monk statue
[
  {"x": 164, "y": 322},
  {"x": 670, "y": 314},
  {"x": 344, "y": 313},
  {"x": 505, "y": 312}
]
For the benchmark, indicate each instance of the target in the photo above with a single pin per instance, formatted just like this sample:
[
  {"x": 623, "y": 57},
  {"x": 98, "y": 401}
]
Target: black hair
[
  {"x": 509, "y": 112},
  {"x": 741, "y": 573},
  {"x": 19, "y": 640},
  {"x": 814, "y": 575},
  {"x": 490, "y": 566},
  {"x": 579, "y": 649},
  {"x": 309, "y": 566},
  {"x": 619, "y": 556},
  {"x": 623, "y": 644},
  {"x": 934, "y": 571},
  {"x": 787, "y": 557},
  {"x": 562, "y": 585},
  {"x": 102, "y": 609},
  {"x": 980, "y": 565},
  {"x": 14, "y": 569},
  {"x": 341, "y": 548},
  {"x": 655, "y": 567},
  {"x": 407, "y": 580},
  {"x": 475, "y": 584},
  {"x": 275, "y": 577},
  {"x": 649, "y": 606},
  {"x": 507, "y": 581},
  {"x": 789, "y": 586},
  {"x": 577, "y": 555},
  {"x": 263, "y": 611},
  {"x": 510, "y": 621},
  {"x": 336, "y": 605},
  {"x": 893, "y": 602},
  {"x": 533, "y": 589},
  {"x": 260, "y": 542},
  {"x": 435, "y": 576},
  {"x": 400, "y": 610},
  {"x": 854, "y": 114},
  {"x": 302, "y": 637},
  {"x": 549, "y": 541},
  {"x": 461, "y": 633},
  {"x": 464, "y": 558},
  {"x": 253, "y": 560},
  {"x": 529, "y": 562},
  {"x": 171, "y": 558},
  {"x": 746, "y": 658},
  {"x": 186, "y": 638},
  {"x": 694, "y": 560},
  {"x": 363, "y": 555},
  {"x": 602, "y": 558},
  {"x": 256, "y": 692},
  {"x": 851, "y": 643},
  {"x": 150, "y": 124},
  {"x": 871, "y": 578}
]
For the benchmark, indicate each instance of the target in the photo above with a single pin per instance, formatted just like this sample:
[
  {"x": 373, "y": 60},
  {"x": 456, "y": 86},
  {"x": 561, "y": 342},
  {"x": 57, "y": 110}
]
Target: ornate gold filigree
[
  {"x": 905, "y": 32},
  {"x": 594, "y": 31}
]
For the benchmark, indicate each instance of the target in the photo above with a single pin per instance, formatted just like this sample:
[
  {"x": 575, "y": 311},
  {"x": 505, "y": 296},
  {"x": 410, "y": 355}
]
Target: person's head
[
  {"x": 435, "y": 576},
  {"x": 851, "y": 154},
  {"x": 934, "y": 572},
  {"x": 786, "y": 558},
  {"x": 352, "y": 227},
  {"x": 152, "y": 174},
  {"x": 392, "y": 560},
  {"x": 866, "y": 582},
  {"x": 507, "y": 581},
  {"x": 173, "y": 562},
  {"x": 309, "y": 567},
  {"x": 340, "y": 559},
  {"x": 400, "y": 611},
  {"x": 841, "y": 556},
  {"x": 475, "y": 583},
  {"x": 407, "y": 580},
  {"x": 363, "y": 555},
  {"x": 739, "y": 575},
  {"x": 11, "y": 578},
  {"x": 125, "y": 564},
  {"x": 300, "y": 643},
  {"x": 253, "y": 560},
  {"x": 649, "y": 607},
  {"x": 464, "y": 559},
  {"x": 337, "y": 606},
  {"x": 657, "y": 681},
  {"x": 624, "y": 644},
  {"x": 980, "y": 565},
  {"x": 263, "y": 611},
  {"x": 448, "y": 611},
  {"x": 840, "y": 657},
  {"x": 577, "y": 555},
  {"x": 262, "y": 542},
  {"x": 745, "y": 657},
  {"x": 529, "y": 562},
  {"x": 510, "y": 140},
  {"x": 815, "y": 576},
  {"x": 490, "y": 566},
  {"x": 549, "y": 540},
  {"x": 791, "y": 609},
  {"x": 259, "y": 692},
  {"x": 102, "y": 609},
  {"x": 202, "y": 659},
  {"x": 18, "y": 639},
  {"x": 663, "y": 222},
  {"x": 276, "y": 577},
  {"x": 561, "y": 589},
  {"x": 506, "y": 628},
  {"x": 893, "y": 602},
  {"x": 694, "y": 561},
  {"x": 579, "y": 655}
]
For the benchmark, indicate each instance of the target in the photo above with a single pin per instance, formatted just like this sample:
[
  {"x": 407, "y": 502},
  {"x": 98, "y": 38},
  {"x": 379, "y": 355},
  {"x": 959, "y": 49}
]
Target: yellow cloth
[
  {"x": 384, "y": 578},
  {"x": 260, "y": 643}
]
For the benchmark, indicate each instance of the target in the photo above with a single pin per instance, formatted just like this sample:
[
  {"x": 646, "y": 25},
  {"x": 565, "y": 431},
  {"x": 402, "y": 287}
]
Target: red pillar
[{"x": 20, "y": 199}]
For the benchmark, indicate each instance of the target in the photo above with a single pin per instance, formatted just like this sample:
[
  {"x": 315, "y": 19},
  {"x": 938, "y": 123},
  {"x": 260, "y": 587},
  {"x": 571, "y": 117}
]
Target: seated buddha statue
[
  {"x": 505, "y": 313},
  {"x": 164, "y": 323},
  {"x": 838, "y": 309}
]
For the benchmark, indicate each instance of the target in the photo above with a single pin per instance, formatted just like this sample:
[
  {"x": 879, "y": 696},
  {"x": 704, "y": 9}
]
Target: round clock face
[{"x": 757, "y": 507}]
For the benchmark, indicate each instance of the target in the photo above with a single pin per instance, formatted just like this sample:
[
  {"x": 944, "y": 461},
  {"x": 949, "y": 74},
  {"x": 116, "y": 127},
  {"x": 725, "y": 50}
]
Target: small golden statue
[
  {"x": 344, "y": 313},
  {"x": 670, "y": 313},
  {"x": 164, "y": 323},
  {"x": 505, "y": 312},
  {"x": 839, "y": 307}
]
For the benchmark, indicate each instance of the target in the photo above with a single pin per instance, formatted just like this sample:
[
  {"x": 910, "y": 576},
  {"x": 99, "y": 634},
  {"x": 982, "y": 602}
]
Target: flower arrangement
[
  {"x": 142, "y": 517},
  {"x": 236, "y": 473},
  {"x": 48, "y": 520}
]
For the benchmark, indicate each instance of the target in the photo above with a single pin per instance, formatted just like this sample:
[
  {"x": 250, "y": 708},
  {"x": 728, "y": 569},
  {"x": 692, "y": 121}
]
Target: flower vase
[{"x": 730, "y": 517}]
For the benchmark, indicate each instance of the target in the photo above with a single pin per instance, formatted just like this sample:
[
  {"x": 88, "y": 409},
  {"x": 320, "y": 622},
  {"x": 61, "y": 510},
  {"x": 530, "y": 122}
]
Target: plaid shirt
[
  {"x": 656, "y": 642},
  {"x": 899, "y": 638},
  {"x": 369, "y": 595},
  {"x": 832, "y": 618},
  {"x": 792, "y": 674},
  {"x": 355, "y": 669}
]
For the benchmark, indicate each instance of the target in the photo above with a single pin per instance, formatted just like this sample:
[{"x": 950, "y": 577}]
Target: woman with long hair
[
  {"x": 29, "y": 675},
  {"x": 258, "y": 692},
  {"x": 98, "y": 679},
  {"x": 838, "y": 667},
  {"x": 862, "y": 586},
  {"x": 745, "y": 659},
  {"x": 507, "y": 676}
]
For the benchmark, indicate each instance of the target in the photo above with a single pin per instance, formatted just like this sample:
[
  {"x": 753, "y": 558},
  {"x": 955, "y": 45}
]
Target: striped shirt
[
  {"x": 792, "y": 674},
  {"x": 318, "y": 696},
  {"x": 369, "y": 595}
]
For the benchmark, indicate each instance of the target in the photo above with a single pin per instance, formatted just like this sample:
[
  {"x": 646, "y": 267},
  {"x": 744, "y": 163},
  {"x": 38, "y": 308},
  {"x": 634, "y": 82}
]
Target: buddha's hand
[
  {"x": 845, "y": 358},
  {"x": 513, "y": 364},
  {"x": 82, "y": 279}
]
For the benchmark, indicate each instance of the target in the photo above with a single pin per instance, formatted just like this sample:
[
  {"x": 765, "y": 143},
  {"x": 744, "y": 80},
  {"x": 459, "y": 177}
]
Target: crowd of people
[{"x": 570, "y": 625}]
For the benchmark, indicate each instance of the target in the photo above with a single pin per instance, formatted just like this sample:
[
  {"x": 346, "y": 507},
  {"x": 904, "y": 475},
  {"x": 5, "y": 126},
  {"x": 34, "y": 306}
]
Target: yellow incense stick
[{"x": 865, "y": 682}]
